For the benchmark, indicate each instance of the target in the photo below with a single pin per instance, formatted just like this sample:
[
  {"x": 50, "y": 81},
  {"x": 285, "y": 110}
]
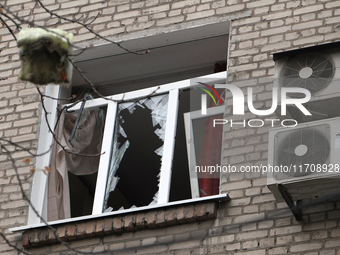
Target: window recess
[{"x": 143, "y": 158}]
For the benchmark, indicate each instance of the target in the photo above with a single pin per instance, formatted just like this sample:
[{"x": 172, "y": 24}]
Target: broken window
[
  {"x": 137, "y": 153},
  {"x": 142, "y": 140}
]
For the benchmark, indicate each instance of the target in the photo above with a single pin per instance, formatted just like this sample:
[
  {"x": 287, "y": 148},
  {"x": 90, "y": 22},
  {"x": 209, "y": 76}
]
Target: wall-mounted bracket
[{"x": 296, "y": 210}]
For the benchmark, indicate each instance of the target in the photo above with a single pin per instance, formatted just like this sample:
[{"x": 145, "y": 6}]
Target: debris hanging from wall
[{"x": 44, "y": 55}]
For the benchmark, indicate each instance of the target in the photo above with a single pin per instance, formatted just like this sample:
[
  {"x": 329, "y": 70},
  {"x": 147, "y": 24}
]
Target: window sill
[{"x": 118, "y": 222}]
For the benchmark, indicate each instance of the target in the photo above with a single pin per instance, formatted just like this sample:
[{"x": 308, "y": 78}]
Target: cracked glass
[{"x": 137, "y": 151}]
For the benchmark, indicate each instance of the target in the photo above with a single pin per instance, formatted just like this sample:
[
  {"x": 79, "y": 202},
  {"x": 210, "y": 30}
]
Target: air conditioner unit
[
  {"x": 317, "y": 71},
  {"x": 305, "y": 159}
]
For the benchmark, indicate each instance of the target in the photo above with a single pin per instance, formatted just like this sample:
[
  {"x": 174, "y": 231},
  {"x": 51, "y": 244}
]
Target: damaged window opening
[
  {"x": 137, "y": 153},
  {"x": 142, "y": 146}
]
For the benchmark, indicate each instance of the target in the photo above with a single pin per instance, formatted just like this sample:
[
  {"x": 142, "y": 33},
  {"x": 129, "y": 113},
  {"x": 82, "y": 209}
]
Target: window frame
[
  {"x": 189, "y": 117},
  {"x": 39, "y": 189}
]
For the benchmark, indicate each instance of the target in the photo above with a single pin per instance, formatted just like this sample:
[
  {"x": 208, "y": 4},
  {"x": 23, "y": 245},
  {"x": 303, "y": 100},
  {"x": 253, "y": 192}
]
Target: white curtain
[{"x": 87, "y": 141}]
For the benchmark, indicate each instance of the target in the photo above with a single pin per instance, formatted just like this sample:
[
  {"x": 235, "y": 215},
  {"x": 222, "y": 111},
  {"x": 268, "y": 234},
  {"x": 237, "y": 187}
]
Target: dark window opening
[
  {"x": 140, "y": 165},
  {"x": 82, "y": 189},
  {"x": 137, "y": 151}
]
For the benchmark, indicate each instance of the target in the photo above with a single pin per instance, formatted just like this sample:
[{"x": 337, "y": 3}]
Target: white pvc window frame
[
  {"x": 189, "y": 117},
  {"x": 39, "y": 189}
]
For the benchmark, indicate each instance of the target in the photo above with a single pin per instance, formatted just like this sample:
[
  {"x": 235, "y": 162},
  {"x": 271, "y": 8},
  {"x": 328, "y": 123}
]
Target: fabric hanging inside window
[
  {"x": 210, "y": 156},
  {"x": 87, "y": 141}
]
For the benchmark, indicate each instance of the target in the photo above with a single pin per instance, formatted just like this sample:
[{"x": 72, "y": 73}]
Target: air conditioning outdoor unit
[
  {"x": 319, "y": 72},
  {"x": 305, "y": 159}
]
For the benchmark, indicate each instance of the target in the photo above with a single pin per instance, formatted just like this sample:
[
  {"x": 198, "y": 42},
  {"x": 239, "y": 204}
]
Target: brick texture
[{"x": 120, "y": 224}]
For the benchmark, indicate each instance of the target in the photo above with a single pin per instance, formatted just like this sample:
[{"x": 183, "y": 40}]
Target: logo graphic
[
  {"x": 238, "y": 99},
  {"x": 204, "y": 97}
]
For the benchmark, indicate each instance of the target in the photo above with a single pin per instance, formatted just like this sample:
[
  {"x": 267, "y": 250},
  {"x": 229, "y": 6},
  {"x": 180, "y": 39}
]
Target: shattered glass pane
[{"x": 137, "y": 151}]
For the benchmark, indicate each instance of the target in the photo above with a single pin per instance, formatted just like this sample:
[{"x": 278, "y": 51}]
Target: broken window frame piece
[
  {"x": 189, "y": 117},
  {"x": 38, "y": 194}
]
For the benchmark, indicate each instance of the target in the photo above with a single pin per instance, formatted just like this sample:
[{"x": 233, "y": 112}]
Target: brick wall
[
  {"x": 252, "y": 222},
  {"x": 131, "y": 222}
]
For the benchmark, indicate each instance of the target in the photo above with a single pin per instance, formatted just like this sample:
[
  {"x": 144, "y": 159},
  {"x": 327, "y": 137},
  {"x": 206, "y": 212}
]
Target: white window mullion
[
  {"x": 104, "y": 162},
  {"x": 169, "y": 143},
  {"x": 39, "y": 184}
]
